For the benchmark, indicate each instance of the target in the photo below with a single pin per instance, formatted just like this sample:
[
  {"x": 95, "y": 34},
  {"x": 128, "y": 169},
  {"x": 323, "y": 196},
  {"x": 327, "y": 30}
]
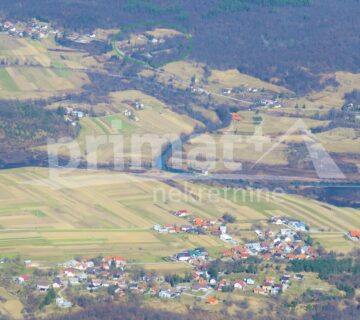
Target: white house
[
  {"x": 225, "y": 237},
  {"x": 62, "y": 303},
  {"x": 168, "y": 293},
  {"x": 298, "y": 225},
  {"x": 183, "y": 257},
  {"x": 249, "y": 281},
  {"x": 223, "y": 229}
]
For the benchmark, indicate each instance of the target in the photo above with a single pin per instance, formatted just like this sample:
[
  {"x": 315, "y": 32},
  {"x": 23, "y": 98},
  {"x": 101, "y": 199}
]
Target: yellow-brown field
[
  {"x": 331, "y": 96},
  {"x": 265, "y": 143},
  {"x": 39, "y": 69},
  {"x": 155, "y": 121},
  {"x": 340, "y": 140},
  {"x": 233, "y": 78},
  {"x": 10, "y": 305},
  {"x": 91, "y": 213}
]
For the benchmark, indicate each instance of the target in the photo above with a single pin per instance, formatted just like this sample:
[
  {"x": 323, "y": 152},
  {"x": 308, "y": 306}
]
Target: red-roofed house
[
  {"x": 355, "y": 234},
  {"x": 212, "y": 301},
  {"x": 119, "y": 261},
  {"x": 199, "y": 221},
  {"x": 182, "y": 213},
  {"x": 23, "y": 278},
  {"x": 239, "y": 285}
]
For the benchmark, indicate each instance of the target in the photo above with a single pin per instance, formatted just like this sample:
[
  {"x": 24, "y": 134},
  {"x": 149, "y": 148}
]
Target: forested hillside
[
  {"x": 24, "y": 126},
  {"x": 290, "y": 42}
]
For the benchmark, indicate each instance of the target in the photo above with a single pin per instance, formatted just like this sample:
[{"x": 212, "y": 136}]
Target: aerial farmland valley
[{"x": 179, "y": 160}]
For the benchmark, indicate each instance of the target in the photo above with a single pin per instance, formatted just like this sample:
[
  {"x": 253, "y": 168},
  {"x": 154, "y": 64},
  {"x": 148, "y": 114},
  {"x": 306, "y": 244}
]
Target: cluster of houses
[
  {"x": 229, "y": 91},
  {"x": 192, "y": 255},
  {"x": 286, "y": 244},
  {"x": 73, "y": 116},
  {"x": 92, "y": 275},
  {"x": 110, "y": 271},
  {"x": 143, "y": 46},
  {"x": 270, "y": 287},
  {"x": 40, "y": 30},
  {"x": 197, "y": 225},
  {"x": 136, "y": 104},
  {"x": 203, "y": 283},
  {"x": 352, "y": 112},
  {"x": 33, "y": 29},
  {"x": 271, "y": 104},
  {"x": 291, "y": 223},
  {"x": 198, "y": 90},
  {"x": 148, "y": 38}
]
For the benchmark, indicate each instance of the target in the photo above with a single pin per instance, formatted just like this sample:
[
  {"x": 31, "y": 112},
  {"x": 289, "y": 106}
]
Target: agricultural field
[
  {"x": 283, "y": 124},
  {"x": 114, "y": 215},
  {"x": 264, "y": 143},
  {"x": 90, "y": 213},
  {"x": 185, "y": 73},
  {"x": 233, "y": 78},
  {"x": 331, "y": 96},
  {"x": 39, "y": 69},
  {"x": 341, "y": 140},
  {"x": 155, "y": 119}
]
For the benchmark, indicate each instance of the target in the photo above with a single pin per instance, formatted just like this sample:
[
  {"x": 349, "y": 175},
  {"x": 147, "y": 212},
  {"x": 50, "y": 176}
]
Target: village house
[
  {"x": 354, "y": 235},
  {"x": 186, "y": 227},
  {"x": 117, "y": 260},
  {"x": 249, "y": 281},
  {"x": 239, "y": 285},
  {"x": 160, "y": 229},
  {"x": 183, "y": 256},
  {"x": 43, "y": 286},
  {"x": 69, "y": 272},
  {"x": 169, "y": 293},
  {"x": 225, "y": 237},
  {"x": 212, "y": 301},
  {"x": 57, "y": 283},
  {"x": 182, "y": 213},
  {"x": 62, "y": 303},
  {"x": 260, "y": 290},
  {"x": 298, "y": 226},
  {"x": 199, "y": 287},
  {"x": 23, "y": 278},
  {"x": 74, "y": 281},
  {"x": 278, "y": 220}
]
